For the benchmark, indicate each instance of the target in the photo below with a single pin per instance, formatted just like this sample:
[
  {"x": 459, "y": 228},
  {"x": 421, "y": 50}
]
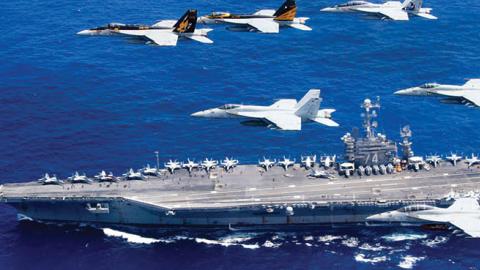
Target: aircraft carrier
[{"x": 371, "y": 178}]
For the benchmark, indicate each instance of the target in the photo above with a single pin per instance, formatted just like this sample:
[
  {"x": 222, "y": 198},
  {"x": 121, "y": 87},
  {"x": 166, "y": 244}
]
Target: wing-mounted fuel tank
[{"x": 372, "y": 148}]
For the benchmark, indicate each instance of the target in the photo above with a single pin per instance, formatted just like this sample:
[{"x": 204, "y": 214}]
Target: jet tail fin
[
  {"x": 465, "y": 204},
  {"x": 286, "y": 12},
  {"x": 473, "y": 83},
  {"x": 310, "y": 103},
  {"x": 187, "y": 22}
]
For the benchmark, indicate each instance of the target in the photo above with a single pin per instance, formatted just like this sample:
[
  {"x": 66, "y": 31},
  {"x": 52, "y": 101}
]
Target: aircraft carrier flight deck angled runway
[{"x": 370, "y": 183}]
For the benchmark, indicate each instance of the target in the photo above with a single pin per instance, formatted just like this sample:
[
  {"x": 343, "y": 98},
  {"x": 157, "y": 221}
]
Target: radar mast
[{"x": 370, "y": 113}]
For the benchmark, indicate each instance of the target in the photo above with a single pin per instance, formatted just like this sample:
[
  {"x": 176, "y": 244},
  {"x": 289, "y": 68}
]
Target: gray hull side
[{"x": 127, "y": 212}]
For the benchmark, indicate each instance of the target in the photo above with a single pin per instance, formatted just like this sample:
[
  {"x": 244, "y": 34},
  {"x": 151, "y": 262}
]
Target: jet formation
[
  {"x": 467, "y": 94},
  {"x": 263, "y": 21},
  {"x": 168, "y": 32},
  {"x": 162, "y": 33},
  {"x": 285, "y": 114},
  {"x": 393, "y": 10}
]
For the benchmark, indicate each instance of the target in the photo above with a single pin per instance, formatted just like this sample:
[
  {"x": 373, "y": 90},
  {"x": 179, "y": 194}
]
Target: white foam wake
[
  {"x": 227, "y": 242},
  {"x": 396, "y": 237},
  {"x": 373, "y": 260},
  {"x": 131, "y": 238},
  {"x": 434, "y": 242},
  {"x": 409, "y": 261}
]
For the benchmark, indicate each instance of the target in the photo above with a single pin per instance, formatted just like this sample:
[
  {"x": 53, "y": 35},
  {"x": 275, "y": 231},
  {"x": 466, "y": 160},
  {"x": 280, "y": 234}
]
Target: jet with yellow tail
[{"x": 263, "y": 21}]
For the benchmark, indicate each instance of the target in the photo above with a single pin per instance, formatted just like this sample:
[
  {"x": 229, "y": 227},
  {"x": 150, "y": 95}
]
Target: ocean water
[{"x": 90, "y": 103}]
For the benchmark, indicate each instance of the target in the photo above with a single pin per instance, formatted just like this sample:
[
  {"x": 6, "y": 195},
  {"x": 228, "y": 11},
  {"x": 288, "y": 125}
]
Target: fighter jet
[
  {"x": 285, "y": 114},
  {"x": 229, "y": 163},
  {"x": 190, "y": 165},
  {"x": 209, "y": 164},
  {"x": 266, "y": 163},
  {"x": 454, "y": 158},
  {"x": 286, "y": 162},
  {"x": 309, "y": 161},
  {"x": 48, "y": 180},
  {"x": 394, "y": 10},
  {"x": 472, "y": 160},
  {"x": 321, "y": 174},
  {"x": 104, "y": 177},
  {"x": 132, "y": 175},
  {"x": 172, "y": 166},
  {"x": 464, "y": 214},
  {"x": 79, "y": 178},
  {"x": 163, "y": 33},
  {"x": 263, "y": 21},
  {"x": 434, "y": 160},
  {"x": 467, "y": 94},
  {"x": 150, "y": 171}
]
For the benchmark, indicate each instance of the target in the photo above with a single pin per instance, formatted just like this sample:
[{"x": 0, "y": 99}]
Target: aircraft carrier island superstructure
[{"x": 371, "y": 179}]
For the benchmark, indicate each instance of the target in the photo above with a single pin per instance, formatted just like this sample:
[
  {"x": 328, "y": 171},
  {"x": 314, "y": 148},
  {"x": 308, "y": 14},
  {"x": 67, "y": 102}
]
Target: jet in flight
[
  {"x": 394, "y": 10},
  {"x": 263, "y": 21},
  {"x": 285, "y": 114},
  {"x": 163, "y": 33},
  {"x": 467, "y": 94},
  {"x": 464, "y": 214}
]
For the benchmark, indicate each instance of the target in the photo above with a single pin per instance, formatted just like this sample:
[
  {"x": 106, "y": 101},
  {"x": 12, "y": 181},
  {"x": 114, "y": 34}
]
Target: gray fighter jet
[
  {"x": 467, "y": 94},
  {"x": 285, "y": 114},
  {"x": 393, "y": 10}
]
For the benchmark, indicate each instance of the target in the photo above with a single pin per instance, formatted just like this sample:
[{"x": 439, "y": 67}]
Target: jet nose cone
[
  {"x": 84, "y": 32},
  {"x": 377, "y": 217},
  {"x": 198, "y": 114},
  {"x": 400, "y": 92},
  {"x": 407, "y": 91},
  {"x": 327, "y": 9}
]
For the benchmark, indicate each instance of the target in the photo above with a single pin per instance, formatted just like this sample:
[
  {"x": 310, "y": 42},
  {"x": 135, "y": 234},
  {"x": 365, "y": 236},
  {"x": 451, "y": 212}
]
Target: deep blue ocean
[{"x": 71, "y": 103}]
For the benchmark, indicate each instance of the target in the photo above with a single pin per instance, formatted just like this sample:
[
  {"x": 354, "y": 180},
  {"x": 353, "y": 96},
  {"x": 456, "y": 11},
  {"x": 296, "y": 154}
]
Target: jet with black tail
[
  {"x": 263, "y": 21},
  {"x": 162, "y": 33}
]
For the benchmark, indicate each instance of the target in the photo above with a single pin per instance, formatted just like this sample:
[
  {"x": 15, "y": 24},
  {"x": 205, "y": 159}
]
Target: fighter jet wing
[
  {"x": 164, "y": 24},
  {"x": 284, "y": 104},
  {"x": 469, "y": 225},
  {"x": 425, "y": 15},
  {"x": 394, "y": 14},
  {"x": 265, "y": 12},
  {"x": 263, "y": 25},
  {"x": 300, "y": 26},
  {"x": 202, "y": 39},
  {"x": 325, "y": 121},
  {"x": 469, "y": 95},
  {"x": 285, "y": 121},
  {"x": 281, "y": 120},
  {"x": 159, "y": 37},
  {"x": 163, "y": 38}
]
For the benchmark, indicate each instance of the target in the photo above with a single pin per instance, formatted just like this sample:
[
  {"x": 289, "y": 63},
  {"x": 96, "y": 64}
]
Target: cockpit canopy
[
  {"x": 228, "y": 106},
  {"x": 219, "y": 15},
  {"x": 122, "y": 26},
  {"x": 414, "y": 208},
  {"x": 429, "y": 85},
  {"x": 352, "y": 3}
]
